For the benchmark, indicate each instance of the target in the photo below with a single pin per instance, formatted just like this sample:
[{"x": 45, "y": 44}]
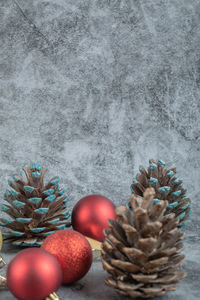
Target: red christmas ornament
[
  {"x": 73, "y": 252},
  {"x": 90, "y": 216},
  {"x": 33, "y": 274}
]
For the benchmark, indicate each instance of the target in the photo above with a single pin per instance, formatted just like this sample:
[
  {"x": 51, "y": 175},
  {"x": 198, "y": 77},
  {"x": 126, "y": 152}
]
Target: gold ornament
[
  {"x": 53, "y": 296},
  {"x": 1, "y": 242},
  {"x": 2, "y": 279},
  {"x": 96, "y": 248}
]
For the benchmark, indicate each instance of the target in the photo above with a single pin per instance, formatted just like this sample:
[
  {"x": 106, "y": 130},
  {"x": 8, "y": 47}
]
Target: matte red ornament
[
  {"x": 73, "y": 252},
  {"x": 90, "y": 216},
  {"x": 33, "y": 274}
]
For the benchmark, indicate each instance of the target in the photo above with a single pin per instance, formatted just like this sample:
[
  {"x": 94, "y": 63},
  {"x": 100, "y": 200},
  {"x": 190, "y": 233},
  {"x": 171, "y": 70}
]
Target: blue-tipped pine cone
[
  {"x": 167, "y": 187},
  {"x": 35, "y": 209}
]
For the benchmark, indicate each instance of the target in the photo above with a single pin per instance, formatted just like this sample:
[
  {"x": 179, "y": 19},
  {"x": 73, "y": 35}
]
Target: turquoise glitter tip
[
  {"x": 4, "y": 207},
  {"x": 132, "y": 189},
  {"x": 7, "y": 193},
  {"x": 36, "y": 166},
  {"x": 17, "y": 233},
  {"x": 161, "y": 162},
  {"x": 153, "y": 166},
  {"x": 55, "y": 181},
  {"x": 135, "y": 181},
  {"x": 61, "y": 226},
  {"x": 170, "y": 174},
  {"x": 47, "y": 233},
  {"x": 176, "y": 181},
  {"x": 68, "y": 216},
  {"x": 168, "y": 215},
  {"x": 15, "y": 178},
  {"x": 54, "y": 221},
  {"x": 24, "y": 220},
  {"x": 176, "y": 194},
  {"x": 22, "y": 173},
  {"x": 65, "y": 213},
  {"x": 182, "y": 216},
  {"x": 183, "y": 225},
  {"x": 18, "y": 203},
  {"x": 66, "y": 199},
  {"x": 35, "y": 200},
  {"x": 28, "y": 188},
  {"x": 41, "y": 210},
  {"x": 153, "y": 181},
  {"x": 36, "y": 174},
  {"x": 50, "y": 198},
  {"x": 172, "y": 205},
  {"x": 140, "y": 169},
  {"x": 48, "y": 192},
  {"x": 186, "y": 206},
  {"x": 164, "y": 189},
  {"x": 14, "y": 193},
  {"x": 7, "y": 221},
  {"x": 155, "y": 201},
  {"x": 37, "y": 230}
]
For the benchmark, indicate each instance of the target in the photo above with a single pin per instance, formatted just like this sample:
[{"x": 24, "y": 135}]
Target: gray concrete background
[{"x": 92, "y": 89}]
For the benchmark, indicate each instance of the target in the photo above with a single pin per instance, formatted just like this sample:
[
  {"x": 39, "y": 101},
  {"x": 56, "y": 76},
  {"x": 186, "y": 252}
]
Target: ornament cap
[
  {"x": 53, "y": 296},
  {"x": 96, "y": 248},
  {"x": 2, "y": 279}
]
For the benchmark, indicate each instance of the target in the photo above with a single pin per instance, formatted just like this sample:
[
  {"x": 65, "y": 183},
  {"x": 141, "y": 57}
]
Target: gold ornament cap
[
  {"x": 1, "y": 240},
  {"x": 96, "y": 248},
  {"x": 53, "y": 296},
  {"x": 2, "y": 279}
]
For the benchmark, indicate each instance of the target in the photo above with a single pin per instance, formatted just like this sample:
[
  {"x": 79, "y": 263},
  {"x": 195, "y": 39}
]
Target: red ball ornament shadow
[{"x": 90, "y": 216}]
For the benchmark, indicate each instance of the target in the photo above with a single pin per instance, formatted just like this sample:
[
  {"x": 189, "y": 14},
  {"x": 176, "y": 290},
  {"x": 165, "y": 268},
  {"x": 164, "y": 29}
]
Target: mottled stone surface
[{"x": 92, "y": 89}]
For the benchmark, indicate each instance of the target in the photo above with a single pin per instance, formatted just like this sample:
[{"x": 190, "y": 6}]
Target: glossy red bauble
[
  {"x": 33, "y": 274},
  {"x": 90, "y": 216},
  {"x": 73, "y": 252}
]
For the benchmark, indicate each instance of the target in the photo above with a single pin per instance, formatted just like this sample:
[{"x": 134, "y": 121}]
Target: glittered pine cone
[
  {"x": 167, "y": 187},
  {"x": 35, "y": 209}
]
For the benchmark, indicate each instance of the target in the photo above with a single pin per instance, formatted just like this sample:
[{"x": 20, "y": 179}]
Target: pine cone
[
  {"x": 141, "y": 249},
  {"x": 36, "y": 209},
  {"x": 167, "y": 187}
]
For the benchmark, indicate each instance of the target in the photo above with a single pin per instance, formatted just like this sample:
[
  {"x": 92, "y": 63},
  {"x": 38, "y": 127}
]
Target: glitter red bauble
[
  {"x": 90, "y": 216},
  {"x": 33, "y": 274},
  {"x": 73, "y": 252}
]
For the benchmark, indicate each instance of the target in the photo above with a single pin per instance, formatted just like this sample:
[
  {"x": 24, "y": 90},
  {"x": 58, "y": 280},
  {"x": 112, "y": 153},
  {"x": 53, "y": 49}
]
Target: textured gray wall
[{"x": 92, "y": 89}]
